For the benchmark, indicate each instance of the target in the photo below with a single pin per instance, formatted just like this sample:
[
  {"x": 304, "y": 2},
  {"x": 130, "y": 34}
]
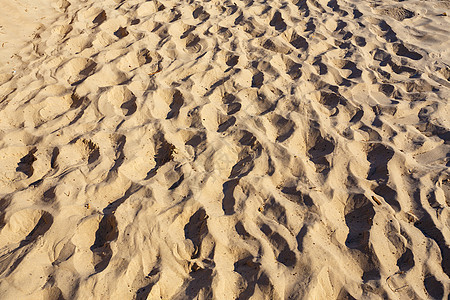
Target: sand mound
[{"x": 224, "y": 149}]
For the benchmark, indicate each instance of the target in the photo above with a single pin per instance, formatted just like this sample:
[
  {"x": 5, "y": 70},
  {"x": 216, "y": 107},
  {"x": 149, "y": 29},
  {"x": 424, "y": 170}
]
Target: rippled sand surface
[{"x": 162, "y": 149}]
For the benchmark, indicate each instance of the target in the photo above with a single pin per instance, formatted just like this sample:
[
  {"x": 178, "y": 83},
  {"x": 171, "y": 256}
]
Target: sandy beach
[{"x": 236, "y": 149}]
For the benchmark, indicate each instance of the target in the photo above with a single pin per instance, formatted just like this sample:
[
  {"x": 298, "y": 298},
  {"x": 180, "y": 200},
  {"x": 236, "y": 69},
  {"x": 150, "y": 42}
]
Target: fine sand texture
[{"x": 235, "y": 149}]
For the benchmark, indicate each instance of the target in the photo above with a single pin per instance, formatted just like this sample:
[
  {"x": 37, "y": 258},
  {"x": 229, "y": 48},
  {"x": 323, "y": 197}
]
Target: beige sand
[{"x": 248, "y": 149}]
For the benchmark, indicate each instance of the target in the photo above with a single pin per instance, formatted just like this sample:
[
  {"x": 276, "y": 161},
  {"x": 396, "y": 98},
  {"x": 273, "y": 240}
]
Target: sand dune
[{"x": 224, "y": 149}]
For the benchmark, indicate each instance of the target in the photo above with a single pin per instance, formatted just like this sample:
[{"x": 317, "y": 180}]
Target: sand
[{"x": 224, "y": 149}]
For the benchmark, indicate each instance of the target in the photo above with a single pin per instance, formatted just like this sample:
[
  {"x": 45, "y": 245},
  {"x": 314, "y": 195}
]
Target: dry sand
[{"x": 164, "y": 149}]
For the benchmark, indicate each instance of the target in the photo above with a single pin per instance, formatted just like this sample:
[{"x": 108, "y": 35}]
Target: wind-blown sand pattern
[{"x": 224, "y": 149}]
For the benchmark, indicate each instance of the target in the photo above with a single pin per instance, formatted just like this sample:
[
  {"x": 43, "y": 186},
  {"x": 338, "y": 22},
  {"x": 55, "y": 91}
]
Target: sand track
[{"x": 225, "y": 149}]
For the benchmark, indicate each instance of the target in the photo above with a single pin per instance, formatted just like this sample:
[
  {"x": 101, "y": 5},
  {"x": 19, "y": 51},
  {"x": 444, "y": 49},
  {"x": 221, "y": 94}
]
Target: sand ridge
[{"x": 225, "y": 149}]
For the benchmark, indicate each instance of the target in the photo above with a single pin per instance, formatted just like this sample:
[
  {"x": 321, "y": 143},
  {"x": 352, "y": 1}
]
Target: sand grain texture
[{"x": 224, "y": 149}]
